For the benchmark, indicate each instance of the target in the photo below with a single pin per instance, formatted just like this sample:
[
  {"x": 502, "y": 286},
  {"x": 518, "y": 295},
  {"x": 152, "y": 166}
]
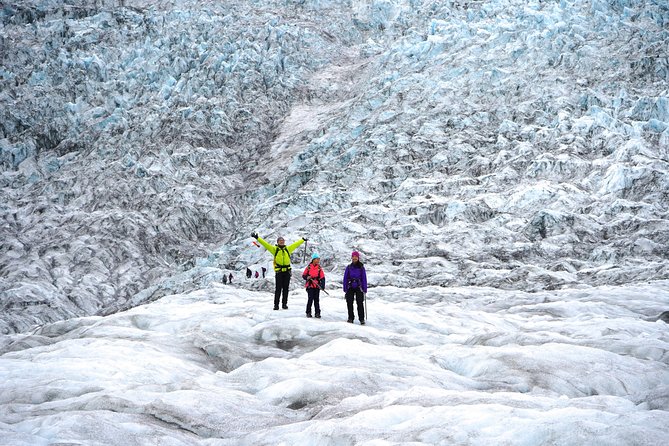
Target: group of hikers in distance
[
  {"x": 250, "y": 273},
  {"x": 354, "y": 282}
]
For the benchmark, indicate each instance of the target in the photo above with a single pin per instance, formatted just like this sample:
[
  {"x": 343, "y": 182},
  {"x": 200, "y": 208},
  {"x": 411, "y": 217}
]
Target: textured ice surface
[{"x": 433, "y": 365}]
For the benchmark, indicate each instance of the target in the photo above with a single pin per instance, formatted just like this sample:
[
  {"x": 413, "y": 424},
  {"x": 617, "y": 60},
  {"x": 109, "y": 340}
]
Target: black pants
[
  {"x": 313, "y": 296},
  {"x": 282, "y": 284},
  {"x": 359, "y": 299}
]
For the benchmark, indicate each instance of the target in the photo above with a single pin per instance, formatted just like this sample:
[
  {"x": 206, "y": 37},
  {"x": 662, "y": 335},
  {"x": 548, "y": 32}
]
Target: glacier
[
  {"x": 524, "y": 143},
  {"x": 502, "y": 166}
]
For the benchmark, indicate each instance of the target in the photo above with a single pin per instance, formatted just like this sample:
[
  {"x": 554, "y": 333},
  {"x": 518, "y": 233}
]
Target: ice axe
[{"x": 319, "y": 286}]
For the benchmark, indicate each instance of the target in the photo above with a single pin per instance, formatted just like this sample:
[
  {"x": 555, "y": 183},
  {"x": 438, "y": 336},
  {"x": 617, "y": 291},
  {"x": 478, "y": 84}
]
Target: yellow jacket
[{"x": 281, "y": 255}]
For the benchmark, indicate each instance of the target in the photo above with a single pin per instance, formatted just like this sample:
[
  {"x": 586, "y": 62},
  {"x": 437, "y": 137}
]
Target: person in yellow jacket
[{"x": 282, "y": 267}]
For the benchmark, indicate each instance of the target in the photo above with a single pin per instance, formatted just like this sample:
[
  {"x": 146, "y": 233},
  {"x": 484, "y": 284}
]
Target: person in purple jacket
[{"x": 355, "y": 286}]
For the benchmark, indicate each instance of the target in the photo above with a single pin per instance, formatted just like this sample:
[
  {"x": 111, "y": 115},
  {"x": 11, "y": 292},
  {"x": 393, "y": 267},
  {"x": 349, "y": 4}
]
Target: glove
[
  {"x": 305, "y": 239},
  {"x": 254, "y": 235}
]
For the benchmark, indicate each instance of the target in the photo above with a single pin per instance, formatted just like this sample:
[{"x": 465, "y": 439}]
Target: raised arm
[
  {"x": 267, "y": 246},
  {"x": 293, "y": 246}
]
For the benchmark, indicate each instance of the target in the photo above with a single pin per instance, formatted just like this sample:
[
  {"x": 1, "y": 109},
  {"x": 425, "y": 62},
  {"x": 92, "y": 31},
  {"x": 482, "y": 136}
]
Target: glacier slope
[{"x": 504, "y": 143}]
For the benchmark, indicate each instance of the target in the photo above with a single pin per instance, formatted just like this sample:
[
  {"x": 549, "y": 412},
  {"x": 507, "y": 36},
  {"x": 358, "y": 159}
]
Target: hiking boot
[
  {"x": 276, "y": 308},
  {"x": 350, "y": 321},
  {"x": 285, "y": 307},
  {"x": 318, "y": 316},
  {"x": 309, "y": 315},
  {"x": 362, "y": 322}
]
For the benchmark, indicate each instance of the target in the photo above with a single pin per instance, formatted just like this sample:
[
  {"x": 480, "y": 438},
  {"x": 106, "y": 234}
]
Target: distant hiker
[
  {"x": 248, "y": 273},
  {"x": 230, "y": 278},
  {"x": 225, "y": 279},
  {"x": 282, "y": 267},
  {"x": 264, "y": 270},
  {"x": 315, "y": 282},
  {"x": 355, "y": 286},
  {"x": 257, "y": 275}
]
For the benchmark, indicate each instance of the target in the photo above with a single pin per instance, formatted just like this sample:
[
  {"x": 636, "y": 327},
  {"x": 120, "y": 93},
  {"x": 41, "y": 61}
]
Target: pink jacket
[{"x": 316, "y": 274}]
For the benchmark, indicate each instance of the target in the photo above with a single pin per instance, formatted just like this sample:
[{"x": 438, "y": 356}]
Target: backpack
[{"x": 283, "y": 267}]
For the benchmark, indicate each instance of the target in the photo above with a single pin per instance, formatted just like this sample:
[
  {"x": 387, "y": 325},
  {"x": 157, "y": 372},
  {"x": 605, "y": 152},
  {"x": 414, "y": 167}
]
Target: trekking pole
[
  {"x": 304, "y": 254},
  {"x": 364, "y": 295}
]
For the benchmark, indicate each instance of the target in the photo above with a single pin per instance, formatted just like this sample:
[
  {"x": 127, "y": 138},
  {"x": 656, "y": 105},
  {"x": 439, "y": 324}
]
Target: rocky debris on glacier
[{"x": 513, "y": 144}]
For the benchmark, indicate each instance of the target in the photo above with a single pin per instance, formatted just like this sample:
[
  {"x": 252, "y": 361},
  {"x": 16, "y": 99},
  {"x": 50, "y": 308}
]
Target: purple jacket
[{"x": 355, "y": 277}]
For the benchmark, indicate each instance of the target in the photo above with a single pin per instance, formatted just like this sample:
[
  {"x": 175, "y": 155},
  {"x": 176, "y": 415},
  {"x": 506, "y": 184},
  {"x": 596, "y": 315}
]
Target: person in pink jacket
[{"x": 315, "y": 282}]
